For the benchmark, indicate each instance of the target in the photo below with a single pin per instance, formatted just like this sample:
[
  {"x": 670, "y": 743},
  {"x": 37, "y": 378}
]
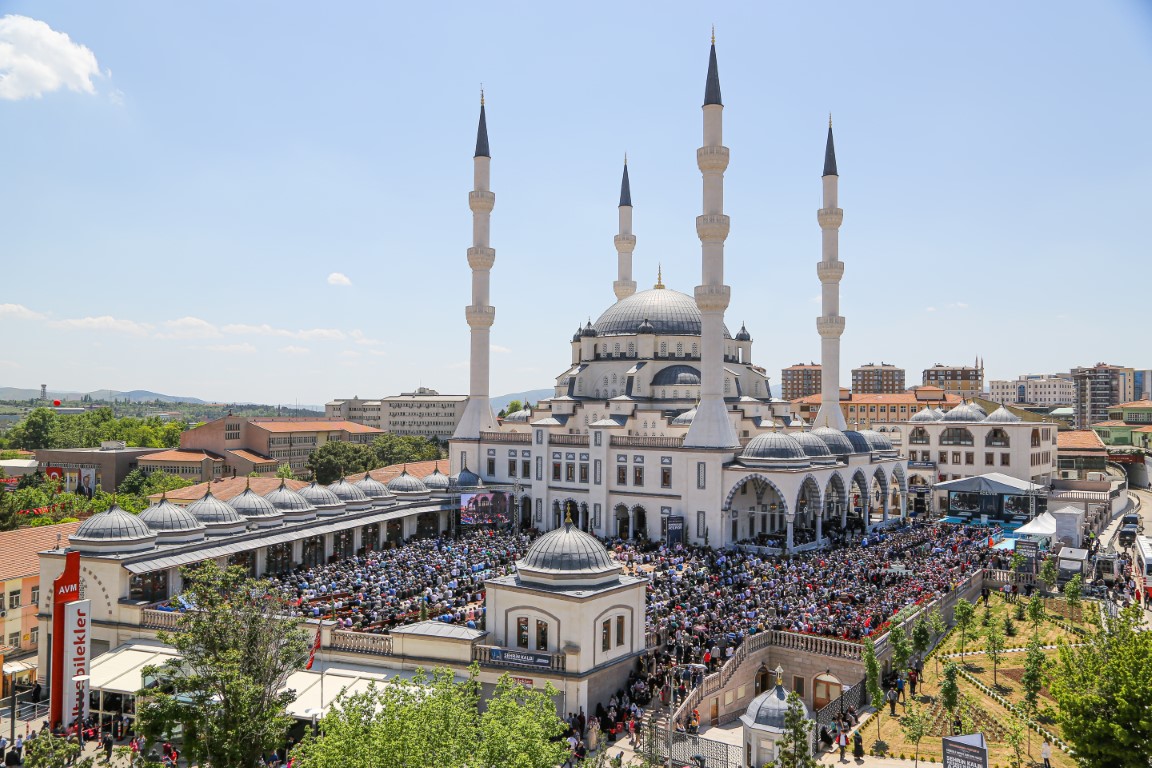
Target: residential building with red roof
[{"x": 20, "y": 590}]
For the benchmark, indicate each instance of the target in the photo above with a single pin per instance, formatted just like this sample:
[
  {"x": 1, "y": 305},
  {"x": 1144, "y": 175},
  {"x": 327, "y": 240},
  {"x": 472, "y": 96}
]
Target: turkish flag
[{"x": 315, "y": 647}]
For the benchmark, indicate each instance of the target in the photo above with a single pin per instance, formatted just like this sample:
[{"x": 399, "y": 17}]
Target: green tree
[
  {"x": 921, "y": 637},
  {"x": 872, "y": 681},
  {"x": 936, "y": 623},
  {"x": 964, "y": 615},
  {"x": 285, "y": 471},
  {"x": 35, "y": 431},
  {"x": 336, "y": 458},
  {"x": 1048, "y": 573},
  {"x": 48, "y": 751},
  {"x": 916, "y": 724},
  {"x": 403, "y": 449},
  {"x": 1033, "y": 678},
  {"x": 901, "y": 649},
  {"x": 794, "y": 748},
  {"x": 1017, "y": 562},
  {"x": 1036, "y": 613},
  {"x": 520, "y": 729},
  {"x": 994, "y": 647},
  {"x": 950, "y": 689},
  {"x": 512, "y": 407},
  {"x": 1104, "y": 692},
  {"x": 1014, "y": 738},
  {"x": 226, "y": 689},
  {"x": 1072, "y": 593}
]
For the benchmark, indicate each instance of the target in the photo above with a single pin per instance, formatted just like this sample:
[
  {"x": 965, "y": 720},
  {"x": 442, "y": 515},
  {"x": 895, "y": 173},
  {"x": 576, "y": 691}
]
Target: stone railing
[
  {"x": 361, "y": 642},
  {"x": 505, "y": 437},
  {"x": 633, "y": 441},
  {"x": 578, "y": 440},
  {"x": 818, "y": 644},
  {"x": 152, "y": 618}
]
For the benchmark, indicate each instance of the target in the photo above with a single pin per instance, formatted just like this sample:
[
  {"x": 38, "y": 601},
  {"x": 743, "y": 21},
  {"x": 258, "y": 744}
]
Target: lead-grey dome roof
[
  {"x": 774, "y": 445},
  {"x": 405, "y": 483},
  {"x": 437, "y": 481},
  {"x": 465, "y": 478},
  {"x": 876, "y": 440},
  {"x": 166, "y": 517},
  {"x": 372, "y": 488},
  {"x": 813, "y": 446},
  {"x": 347, "y": 492},
  {"x": 835, "y": 440},
  {"x": 1002, "y": 416},
  {"x": 742, "y": 334},
  {"x": 684, "y": 419},
  {"x": 860, "y": 444},
  {"x": 114, "y": 525},
  {"x": 517, "y": 416},
  {"x": 676, "y": 375},
  {"x": 255, "y": 508},
  {"x": 289, "y": 501},
  {"x": 213, "y": 512},
  {"x": 567, "y": 556},
  {"x": 925, "y": 414},
  {"x": 319, "y": 496},
  {"x": 668, "y": 312},
  {"x": 769, "y": 708},
  {"x": 965, "y": 412}
]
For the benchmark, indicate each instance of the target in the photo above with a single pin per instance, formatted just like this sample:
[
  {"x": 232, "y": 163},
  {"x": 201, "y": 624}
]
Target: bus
[{"x": 1142, "y": 568}]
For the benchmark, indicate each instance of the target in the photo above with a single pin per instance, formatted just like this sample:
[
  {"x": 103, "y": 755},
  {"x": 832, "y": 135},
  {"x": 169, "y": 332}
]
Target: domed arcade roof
[
  {"x": 257, "y": 509},
  {"x": 465, "y": 478},
  {"x": 769, "y": 708},
  {"x": 774, "y": 445},
  {"x": 326, "y": 502},
  {"x": 836, "y": 441},
  {"x": 292, "y": 504},
  {"x": 567, "y": 556},
  {"x": 813, "y": 446},
  {"x": 437, "y": 481},
  {"x": 684, "y": 419},
  {"x": 876, "y": 440},
  {"x": 218, "y": 516},
  {"x": 372, "y": 488},
  {"x": 925, "y": 414},
  {"x": 171, "y": 521},
  {"x": 405, "y": 483},
  {"x": 1002, "y": 416},
  {"x": 965, "y": 412},
  {"x": 668, "y": 312},
  {"x": 115, "y": 530}
]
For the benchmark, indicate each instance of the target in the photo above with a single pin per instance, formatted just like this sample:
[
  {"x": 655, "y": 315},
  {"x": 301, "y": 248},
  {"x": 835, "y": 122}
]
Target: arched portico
[
  {"x": 808, "y": 524},
  {"x": 859, "y": 504},
  {"x": 878, "y": 497},
  {"x": 758, "y": 511},
  {"x": 835, "y": 507}
]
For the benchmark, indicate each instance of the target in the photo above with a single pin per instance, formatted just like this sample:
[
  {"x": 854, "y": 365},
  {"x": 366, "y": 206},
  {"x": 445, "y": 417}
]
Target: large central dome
[{"x": 669, "y": 312}]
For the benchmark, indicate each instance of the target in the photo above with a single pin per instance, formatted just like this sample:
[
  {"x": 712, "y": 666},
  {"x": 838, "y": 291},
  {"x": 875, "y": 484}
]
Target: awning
[
  {"x": 990, "y": 483},
  {"x": 19, "y": 666},
  {"x": 122, "y": 670}
]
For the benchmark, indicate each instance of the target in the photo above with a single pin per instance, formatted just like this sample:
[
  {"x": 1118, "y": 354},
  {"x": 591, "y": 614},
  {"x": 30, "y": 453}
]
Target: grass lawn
[
  {"x": 999, "y": 609},
  {"x": 986, "y": 713}
]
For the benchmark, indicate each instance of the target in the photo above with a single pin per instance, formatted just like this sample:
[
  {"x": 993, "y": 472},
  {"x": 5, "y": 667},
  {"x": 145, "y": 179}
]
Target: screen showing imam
[{"x": 483, "y": 509}]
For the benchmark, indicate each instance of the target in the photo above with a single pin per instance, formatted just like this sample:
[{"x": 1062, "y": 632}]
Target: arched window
[
  {"x": 613, "y": 393},
  {"x": 616, "y": 349},
  {"x": 605, "y": 379},
  {"x": 613, "y": 378},
  {"x": 997, "y": 438},
  {"x": 956, "y": 436},
  {"x": 679, "y": 349},
  {"x": 663, "y": 393},
  {"x": 919, "y": 436}
]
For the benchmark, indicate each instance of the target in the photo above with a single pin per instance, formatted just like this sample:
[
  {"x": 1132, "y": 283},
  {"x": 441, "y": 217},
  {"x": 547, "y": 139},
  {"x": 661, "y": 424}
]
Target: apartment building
[
  {"x": 800, "y": 380},
  {"x": 1098, "y": 388},
  {"x": 424, "y": 413},
  {"x": 1040, "y": 389},
  {"x": 882, "y": 379},
  {"x": 861, "y": 411},
  {"x": 960, "y": 380}
]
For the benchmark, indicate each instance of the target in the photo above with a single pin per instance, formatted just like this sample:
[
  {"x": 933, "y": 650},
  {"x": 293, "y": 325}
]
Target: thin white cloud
[
  {"x": 359, "y": 337},
  {"x": 958, "y": 305},
  {"x": 350, "y": 354},
  {"x": 930, "y": 309},
  {"x": 320, "y": 334},
  {"x": 338, "y": 278},
  {"x": 103, "y": 323},
  {"x": 10, "y": 364},
  {"x": 498, "y": 348},
  {"x": 190, "y": 328},
  {"x": 263, "y": 329},
  {"x": 292, "y": 349},
  {"x": 36, "y": 59},
  {"x": 20, "y": 312}
]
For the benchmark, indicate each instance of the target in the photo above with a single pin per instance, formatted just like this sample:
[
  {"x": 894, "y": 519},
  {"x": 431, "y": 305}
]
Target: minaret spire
[
  {"x": 477, "y": 416},
  {"x": 830, "y": 269},
  {"x": 711, "y": 427},
  {"x": 625, "y": 241}
]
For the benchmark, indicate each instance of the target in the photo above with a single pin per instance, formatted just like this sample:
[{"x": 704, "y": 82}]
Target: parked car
[{"x": 1128, "y": 534}]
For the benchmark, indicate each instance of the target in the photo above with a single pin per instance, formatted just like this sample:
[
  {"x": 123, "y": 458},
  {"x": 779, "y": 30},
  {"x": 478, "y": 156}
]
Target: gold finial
[
  {"x": 568, "y": 517},
  {"x": 779, "y": 675},
  {"x": 659, "y": 276},
  {"x": 481, "y": 94},
  {"x": 713, "y": 34}
]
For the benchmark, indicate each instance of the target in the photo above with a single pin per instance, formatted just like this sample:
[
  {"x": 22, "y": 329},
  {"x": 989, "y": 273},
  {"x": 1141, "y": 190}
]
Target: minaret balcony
[
  {"x": 712, "y": 158},
  {"x": 713, "y": 298},
  {"x": 481, "y": 201},
  {"x": 480, "y": 316},
  {"x": 712, "y": 227},
  {"x": 481, "y": 258},
  {"x": 830, "y": 326},
  {"x": 626, "y": 243},
  {"x": 830, "y": 218},
  {"x": 830, "y": 271}
]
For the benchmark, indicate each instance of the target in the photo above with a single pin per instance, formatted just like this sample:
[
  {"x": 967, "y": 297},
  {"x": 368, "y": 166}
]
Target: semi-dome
[
  {"x": 576, "y": 336},
  {"x": 676, "y": 375},
  {"x": 1002, "y": 416},
  {"x": 965, "y": 412},
  {"x": 924, "y": 415},
  {"x": 295, "y": 507},
  {"x": 684, "y": 419},
  {"x": 836, "y": 441},
  {"x": 465, "y": 478},
  {"x": 588, "y": 330},
  {"x": 218, "y": 516},
  {"x": 372, "y": 488},
  {"x": 256, "y": 509},
  {"x": 405, "y": 483},
  {"x": 813, "y": 446},
  {"x": 437, "y": 481},
  {"x": 113, "y": 531},
  {"x": 876, "y": 440},
  {"x": 326, "y": 502},
  {"x": 774, "y": 445},
  {"x": 567, "y": 556},
  {"x": 171, "y": 522},
  {"x": 668, "y": 312},
  {"x": 860, "y": 444}
]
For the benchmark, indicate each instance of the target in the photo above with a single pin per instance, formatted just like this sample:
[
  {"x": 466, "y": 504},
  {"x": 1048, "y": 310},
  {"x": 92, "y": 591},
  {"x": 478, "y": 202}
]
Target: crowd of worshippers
[
  {"x": 438, "y": 578},
  {"x": 702, "y": 602}
]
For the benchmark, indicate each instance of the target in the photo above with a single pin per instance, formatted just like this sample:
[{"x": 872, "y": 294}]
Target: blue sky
[{"x": 177, "y": 192}]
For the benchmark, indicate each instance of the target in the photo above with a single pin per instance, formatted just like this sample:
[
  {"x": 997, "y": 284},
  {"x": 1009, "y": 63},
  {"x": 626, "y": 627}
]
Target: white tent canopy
[
  {"x": 991, "y": 483},
  {"x": 1041, "y": 525}
]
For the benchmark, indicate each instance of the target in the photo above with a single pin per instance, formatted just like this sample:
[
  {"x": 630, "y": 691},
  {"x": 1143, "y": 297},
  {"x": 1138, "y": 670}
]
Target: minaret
[
  {"x": 477, "y": 416},
  {"x": 830, "y": 269},
  {"x": 711, "y": 427},
  {"x": 625, "y": 286}
]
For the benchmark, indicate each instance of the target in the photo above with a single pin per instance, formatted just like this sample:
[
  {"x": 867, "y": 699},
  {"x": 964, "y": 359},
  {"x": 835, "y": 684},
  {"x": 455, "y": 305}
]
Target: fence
[
  {"x": 685, "y": 746},
  {"x": 851, "y": 696}
]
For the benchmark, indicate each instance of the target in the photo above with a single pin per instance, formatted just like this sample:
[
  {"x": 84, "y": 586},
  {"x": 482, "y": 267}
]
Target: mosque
[{"x": 663, "y": 426}]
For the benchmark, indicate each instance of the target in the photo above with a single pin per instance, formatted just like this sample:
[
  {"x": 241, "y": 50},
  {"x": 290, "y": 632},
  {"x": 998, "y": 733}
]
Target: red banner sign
[{"x": 65, "y": 589}]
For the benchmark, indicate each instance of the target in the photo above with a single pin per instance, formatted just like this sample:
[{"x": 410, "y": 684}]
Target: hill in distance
[
  {"x": 532, "y": 396},
  {"x": 135, "y": 395}
]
